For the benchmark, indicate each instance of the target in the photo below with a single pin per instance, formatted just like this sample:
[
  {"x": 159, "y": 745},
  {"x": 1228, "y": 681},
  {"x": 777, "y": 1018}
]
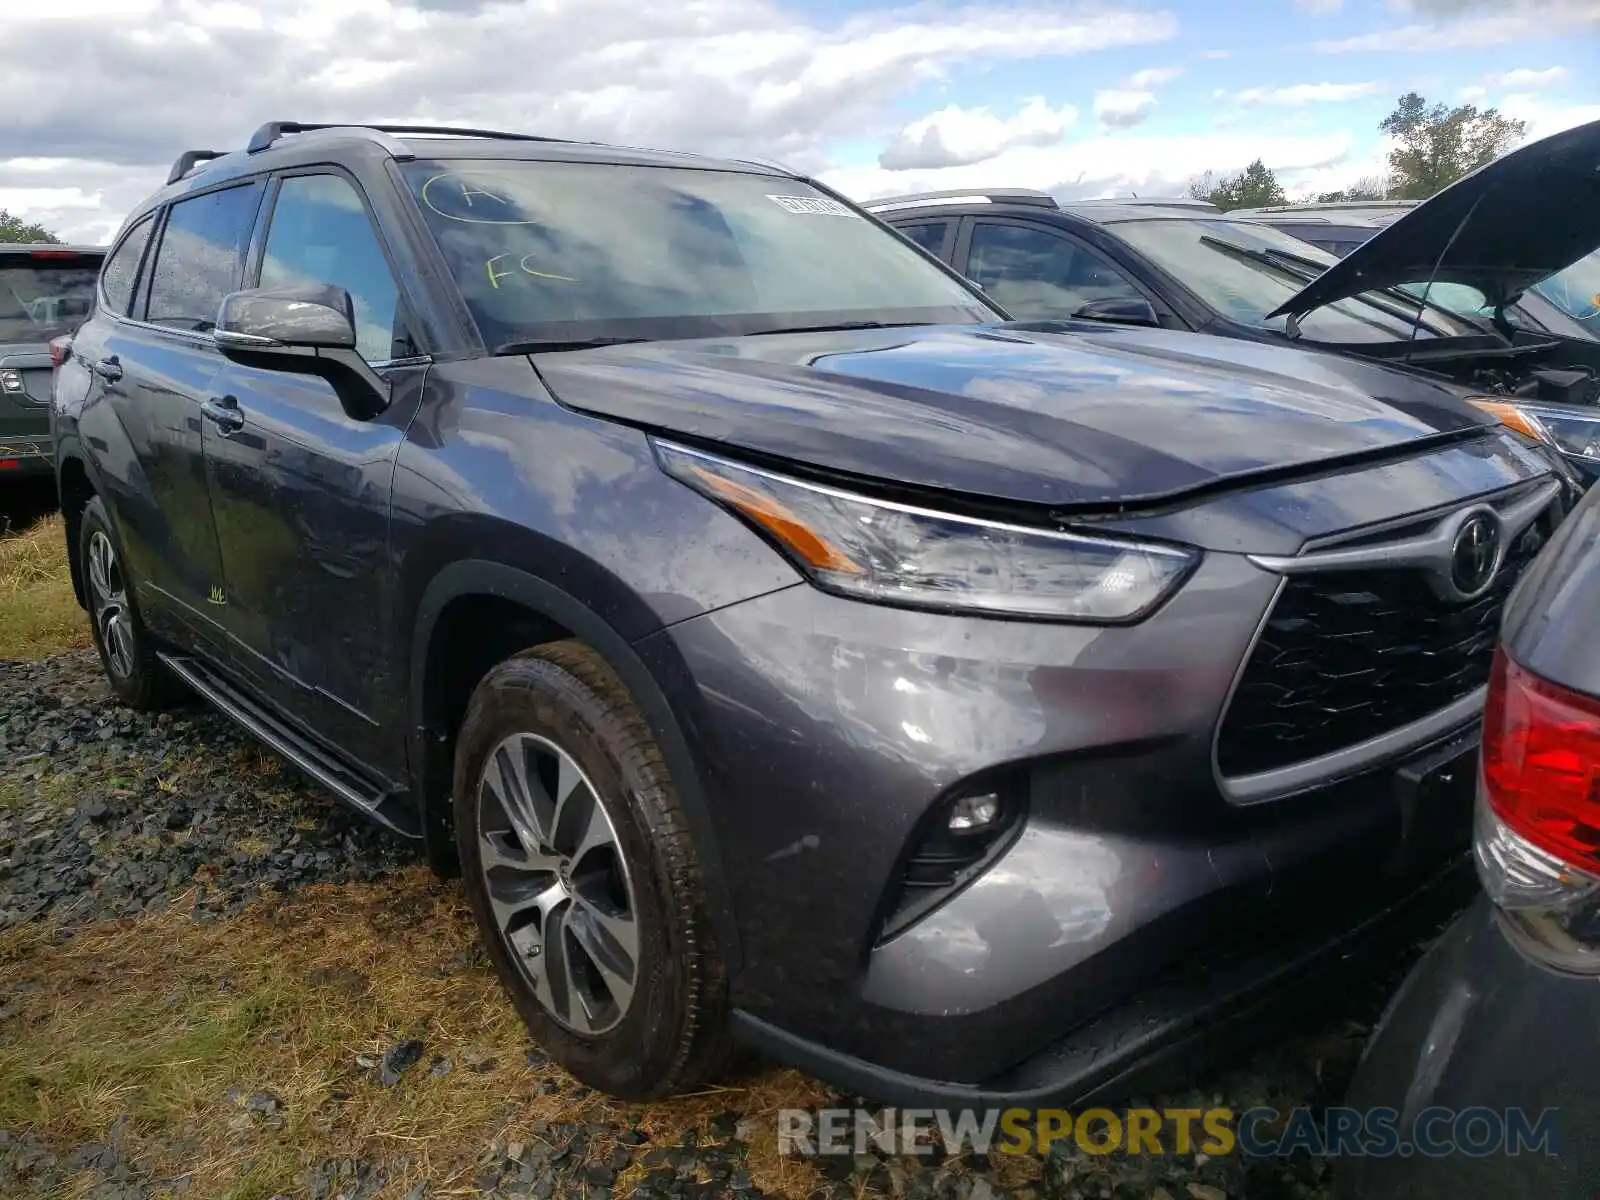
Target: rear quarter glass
[{"x": 44, "y": 297}]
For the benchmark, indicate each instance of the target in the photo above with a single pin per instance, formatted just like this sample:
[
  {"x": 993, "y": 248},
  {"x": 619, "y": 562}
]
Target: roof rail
[
  {"x": 770, "y": 164},
  {"x": 272, "y": 131},
  {"x": 965, "y": 196},
  {"x": 187, "y": 161}
]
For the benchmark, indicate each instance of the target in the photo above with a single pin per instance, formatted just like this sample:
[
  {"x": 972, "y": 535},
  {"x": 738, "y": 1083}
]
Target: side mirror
[
  {"x": 265, "y": 319},
  {"x": 309, "y": 330},
  {"x": 1121, "y": 310}
]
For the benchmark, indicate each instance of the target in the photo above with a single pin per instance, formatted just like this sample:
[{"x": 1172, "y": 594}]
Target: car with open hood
[
  {"x": 1443, "y": 290},
  {"x": 782, "y": 644},
  {"x": 46, "y": 291}
]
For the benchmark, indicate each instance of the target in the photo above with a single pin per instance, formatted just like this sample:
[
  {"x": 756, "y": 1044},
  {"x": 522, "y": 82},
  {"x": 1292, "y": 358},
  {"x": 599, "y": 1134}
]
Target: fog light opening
[{"x": 973, "y": 815}]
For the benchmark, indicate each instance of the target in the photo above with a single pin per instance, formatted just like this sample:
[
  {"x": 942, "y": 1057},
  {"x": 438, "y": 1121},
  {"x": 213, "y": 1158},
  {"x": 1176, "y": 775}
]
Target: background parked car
[
  {"x": 1567, "y": 304},
  {"x": 1183, "y": 265},
  {"x": 46, "y": 291},
  {"x": 1502, "y": 1011},
  {"x": 1336, "y": 228}
]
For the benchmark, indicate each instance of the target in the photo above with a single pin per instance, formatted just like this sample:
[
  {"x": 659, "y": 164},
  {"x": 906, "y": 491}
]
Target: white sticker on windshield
[{"x": 813, "y": 206}]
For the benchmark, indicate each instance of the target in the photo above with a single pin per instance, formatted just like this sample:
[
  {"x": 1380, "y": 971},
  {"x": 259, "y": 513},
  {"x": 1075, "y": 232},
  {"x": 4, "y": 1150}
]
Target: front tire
[
  {"x": 582, "y": 876},
  {"x": 137, "y": 677}
]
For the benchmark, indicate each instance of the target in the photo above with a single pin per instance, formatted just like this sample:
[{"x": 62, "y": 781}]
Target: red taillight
[
  {"x": 60, "y": 350},
  {"x": 1541, "y": 762},
  {"x": 54, "y": 254},
  {"x": 9, "y": 464}
]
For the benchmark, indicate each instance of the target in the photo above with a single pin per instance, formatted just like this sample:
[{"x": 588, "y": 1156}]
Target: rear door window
[
  {"x": 45, "y": 293},
  {"x": 201, "y": 256},
  {"x": 122, "y": 268}
]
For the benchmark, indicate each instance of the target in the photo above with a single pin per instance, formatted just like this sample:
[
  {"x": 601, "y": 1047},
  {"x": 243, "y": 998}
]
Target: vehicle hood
[
  {"x": 1063, "y": 413},
  {"x": 1501, "y": 229}
]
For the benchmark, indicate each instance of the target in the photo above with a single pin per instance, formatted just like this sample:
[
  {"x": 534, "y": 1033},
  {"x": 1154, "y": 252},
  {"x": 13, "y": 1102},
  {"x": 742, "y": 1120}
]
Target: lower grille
[{"x": 1349, "y": 655}]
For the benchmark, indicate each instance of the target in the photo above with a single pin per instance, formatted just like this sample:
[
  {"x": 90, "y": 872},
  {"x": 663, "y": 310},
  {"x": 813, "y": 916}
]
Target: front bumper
[
  {"x": 1133, "y": 893},
  {"x": 1164, "y": 1034}
]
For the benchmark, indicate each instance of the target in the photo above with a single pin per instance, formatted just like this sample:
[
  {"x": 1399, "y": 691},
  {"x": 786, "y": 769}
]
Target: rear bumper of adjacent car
[
  {"x": 1478, "y": 1027},
  {"x": 30, "y": 456}
]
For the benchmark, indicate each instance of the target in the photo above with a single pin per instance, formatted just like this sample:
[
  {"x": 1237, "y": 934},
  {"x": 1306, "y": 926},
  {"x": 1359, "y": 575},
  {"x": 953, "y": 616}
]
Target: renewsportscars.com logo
[{"x": 1258, "y": 1132}]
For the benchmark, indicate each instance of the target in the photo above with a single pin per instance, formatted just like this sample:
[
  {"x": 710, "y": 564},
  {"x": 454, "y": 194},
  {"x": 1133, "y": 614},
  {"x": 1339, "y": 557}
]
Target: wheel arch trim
[{"x": 483, "y": 577}]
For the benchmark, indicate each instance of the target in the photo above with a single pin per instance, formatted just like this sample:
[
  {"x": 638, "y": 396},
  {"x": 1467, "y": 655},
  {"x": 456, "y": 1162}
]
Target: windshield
[
  {"x": 1244, "y": 270},
  {"x": 558, "y": 251},
  {"x": 1576, "y": 291},
  {"x": 45, "y": 298}
]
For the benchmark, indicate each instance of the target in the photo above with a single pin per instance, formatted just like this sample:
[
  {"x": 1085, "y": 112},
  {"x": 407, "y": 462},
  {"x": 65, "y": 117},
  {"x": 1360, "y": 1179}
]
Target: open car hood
[{"x": 1501, "y": 229}]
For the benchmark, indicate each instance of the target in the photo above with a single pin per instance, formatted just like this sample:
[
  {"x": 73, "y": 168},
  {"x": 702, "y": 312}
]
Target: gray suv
[
  {"x": 785, "y": 645},
  {"x": 46, "y": 291}
]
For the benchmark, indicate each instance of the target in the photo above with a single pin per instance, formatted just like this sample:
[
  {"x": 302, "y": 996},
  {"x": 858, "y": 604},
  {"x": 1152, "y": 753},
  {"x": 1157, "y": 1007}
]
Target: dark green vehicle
[{"x": 45, "y": 291}]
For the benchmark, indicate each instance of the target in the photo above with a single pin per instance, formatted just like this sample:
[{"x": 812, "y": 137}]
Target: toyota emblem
[{"x": 1475, "y": 554}]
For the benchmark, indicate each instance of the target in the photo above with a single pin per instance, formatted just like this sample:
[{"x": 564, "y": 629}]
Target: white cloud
[
  {"x": 1319, "y": 8},
  {"x": 1306, "y": 93},
  {"x": 955, "y": 136},
  {"x": 1472, "y": 94},
  {"x": 1216, "y": 54},
  {"x": 1467, "y": 24},
  {"x": 1525, "y": 77},
  {"x": 1544, "y": 118},
  {"x": 1119, "y": 108},
  {"x": 749, "y": 77},
  {"x": 1152, "y": 77}
]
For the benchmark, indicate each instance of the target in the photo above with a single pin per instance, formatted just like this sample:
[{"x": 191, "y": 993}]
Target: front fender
[{"x": 482, "y": 577}]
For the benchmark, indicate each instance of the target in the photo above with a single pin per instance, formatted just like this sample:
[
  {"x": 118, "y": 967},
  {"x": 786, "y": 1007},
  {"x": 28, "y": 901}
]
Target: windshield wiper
[
  {"x": 1289, "y": 264},
  {"x": 557, "y": 345},
  {"x": 839, "y": 327}
]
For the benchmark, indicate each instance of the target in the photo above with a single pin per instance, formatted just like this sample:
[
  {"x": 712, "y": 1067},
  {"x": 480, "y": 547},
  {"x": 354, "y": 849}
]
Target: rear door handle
[
  {"x": 109, "y": 368},
  {"x": 223, "y": 412}
]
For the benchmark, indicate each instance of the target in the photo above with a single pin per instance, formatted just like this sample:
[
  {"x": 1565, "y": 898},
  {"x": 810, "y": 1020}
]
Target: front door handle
[
  {"x": 109, "y": 368},
  {"x": 223, "y": 412}
]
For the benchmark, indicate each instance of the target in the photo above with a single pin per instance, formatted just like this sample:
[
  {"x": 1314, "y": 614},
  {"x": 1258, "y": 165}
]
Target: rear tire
[
  {"x": 137, "y": 677},
  {"x": 581, "y": 873}
]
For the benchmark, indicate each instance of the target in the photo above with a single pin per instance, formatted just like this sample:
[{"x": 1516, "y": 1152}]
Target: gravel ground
[{"x": 108, "y": 814}]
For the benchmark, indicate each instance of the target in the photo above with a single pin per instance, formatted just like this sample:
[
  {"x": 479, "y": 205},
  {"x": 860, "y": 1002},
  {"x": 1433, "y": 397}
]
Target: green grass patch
[{"x": 39, "y": 615}]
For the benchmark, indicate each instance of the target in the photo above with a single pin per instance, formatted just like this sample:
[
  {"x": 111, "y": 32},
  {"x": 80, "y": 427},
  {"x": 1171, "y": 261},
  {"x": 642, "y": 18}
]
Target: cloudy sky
[{"x": 1099, "y": 97}]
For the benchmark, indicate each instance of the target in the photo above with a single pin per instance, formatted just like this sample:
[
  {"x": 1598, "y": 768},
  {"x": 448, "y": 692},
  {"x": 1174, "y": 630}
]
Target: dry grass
[
  {"x": 39, "y": 615},
  {"x": 156, "y": 1020}
]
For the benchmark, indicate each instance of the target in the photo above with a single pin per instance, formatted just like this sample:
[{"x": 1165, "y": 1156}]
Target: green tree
[
  {"x": 1438, "y": 145},
  {"x": 15, "y": 229},
  {"x": 1253, "y": 187},
  {"x": 1370, "y": 187}
]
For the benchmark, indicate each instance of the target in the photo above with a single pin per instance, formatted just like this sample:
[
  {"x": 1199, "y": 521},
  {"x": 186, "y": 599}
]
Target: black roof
[
  {"x": 1110, "y": 212},
  {"x": 1104, "y": 211},
  {"x": 48, "y": 249},
  {"x": 281, "y": 143}
]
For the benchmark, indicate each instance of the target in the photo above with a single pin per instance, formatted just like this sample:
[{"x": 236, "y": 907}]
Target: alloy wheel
[
  {"x": 108, "y": 593},
  {"x": 558, "y": 882}
]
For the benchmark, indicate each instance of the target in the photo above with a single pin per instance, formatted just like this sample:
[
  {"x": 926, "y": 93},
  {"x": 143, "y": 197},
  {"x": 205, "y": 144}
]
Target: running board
[{"x": 385, "y": 808}]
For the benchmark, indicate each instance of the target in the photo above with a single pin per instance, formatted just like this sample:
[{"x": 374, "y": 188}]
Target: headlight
[
  {"x": 1572, "y": 431},
  {"x": 11, "y": 382},
  {"x": 896, "y": 554}
]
